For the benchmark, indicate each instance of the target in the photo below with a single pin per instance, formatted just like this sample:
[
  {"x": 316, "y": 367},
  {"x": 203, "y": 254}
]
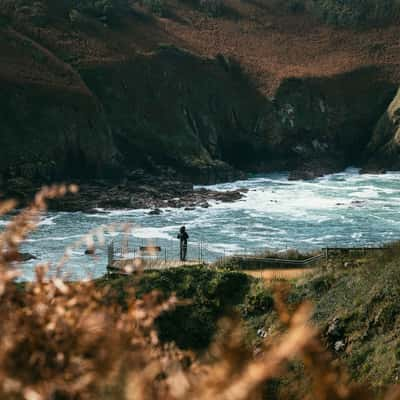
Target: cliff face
[
  {"x": 327, "y": 122},
  {"x": 170, "y": 108},
  {"x": 91, "y": 101},
  {"x": 201, "y": 117},
  {"x": 383, "y": 150},
  {"x": 46, "y": 137},
  {"x": 51, "y": 126}
]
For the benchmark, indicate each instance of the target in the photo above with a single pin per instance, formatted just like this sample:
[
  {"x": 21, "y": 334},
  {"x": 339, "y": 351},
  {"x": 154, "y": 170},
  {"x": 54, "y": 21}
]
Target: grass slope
[
  {"x": 356, "y": 307},
  {"x": 359, "y": 307}
]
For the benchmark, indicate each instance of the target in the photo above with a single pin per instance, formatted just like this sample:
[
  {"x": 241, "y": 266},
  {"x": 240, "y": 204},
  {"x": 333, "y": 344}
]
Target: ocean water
[{"x": 342, "y": 209}]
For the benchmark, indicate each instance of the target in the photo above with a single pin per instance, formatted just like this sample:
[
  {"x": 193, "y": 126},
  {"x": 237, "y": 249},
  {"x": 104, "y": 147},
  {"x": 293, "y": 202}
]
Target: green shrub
[
  {"x": 155, "y": 6},
  {"x": 212, "y": 7},
  {"x": 354, "y": 12},
  {"x": 211, "y": 294},
  {"x": 34, "y": 12},
  {"x": 258, "y": 301},
  {"x": 105, "y": 10},
  {"x": 321, "y": 284},
  {"x": 38, "y": 12},
  {"x": 344, "y": 12},
  {"x": 295, "y": 6}
]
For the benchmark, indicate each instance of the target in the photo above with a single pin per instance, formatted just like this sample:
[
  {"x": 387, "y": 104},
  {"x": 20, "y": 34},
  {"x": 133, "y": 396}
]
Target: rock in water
[
  {"x": 157, "y": 211},
  {"x": 11, "y": 256}
]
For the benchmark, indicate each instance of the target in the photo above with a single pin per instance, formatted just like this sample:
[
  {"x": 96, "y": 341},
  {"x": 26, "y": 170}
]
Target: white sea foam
[
  {"x": 48, "y": 220},
  {"x": 53, "y": 238},
  {"x": 342, "y": 208},
  {"x": 152, "y": 233},
  {"x": 225, "y": 248}
]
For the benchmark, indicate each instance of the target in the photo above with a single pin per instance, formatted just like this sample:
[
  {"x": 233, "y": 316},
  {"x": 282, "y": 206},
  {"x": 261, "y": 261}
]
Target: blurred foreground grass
[{"x": 235, "y": 338}]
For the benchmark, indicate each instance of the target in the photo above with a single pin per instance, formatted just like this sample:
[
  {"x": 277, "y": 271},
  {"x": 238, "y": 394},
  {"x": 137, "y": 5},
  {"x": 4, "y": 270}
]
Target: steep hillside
[
  {"x": 257, "y": 88},
  {"x": 355, "y": 301},
  {"x": 51, "y": 124}
]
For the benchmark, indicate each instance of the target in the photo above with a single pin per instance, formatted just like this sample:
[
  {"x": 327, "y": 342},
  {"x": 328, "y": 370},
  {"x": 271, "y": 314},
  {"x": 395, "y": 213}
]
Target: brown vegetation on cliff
[
  {"x": 261, "y": 87},
  {"x": 272, "y": 43}
]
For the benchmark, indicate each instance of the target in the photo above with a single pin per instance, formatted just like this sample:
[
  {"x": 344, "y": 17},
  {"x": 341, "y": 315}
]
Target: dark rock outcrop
[
  {"x": 383, "y": 151},
  {"x": 154, "y": 193},
  {"x": 326, "y": 123}
]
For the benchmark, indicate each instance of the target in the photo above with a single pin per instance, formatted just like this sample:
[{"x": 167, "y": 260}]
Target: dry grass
[
  {"x": 270, "y": 44},
  {"x": 72, "y": 341},
  {"x": 279, "y": 273}
]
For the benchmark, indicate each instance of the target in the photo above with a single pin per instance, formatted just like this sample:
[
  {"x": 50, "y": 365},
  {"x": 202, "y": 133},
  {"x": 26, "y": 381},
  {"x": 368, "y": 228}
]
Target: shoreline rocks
[
  {"x": 154, "y": 194},
  {"x": 16, "y": 256}
]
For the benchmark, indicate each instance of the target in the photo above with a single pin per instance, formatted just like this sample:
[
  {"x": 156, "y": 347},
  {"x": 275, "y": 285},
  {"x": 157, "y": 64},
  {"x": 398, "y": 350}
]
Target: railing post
[
  {"x": 198, "y": 248},
  {"x": 110, "y": 254}
]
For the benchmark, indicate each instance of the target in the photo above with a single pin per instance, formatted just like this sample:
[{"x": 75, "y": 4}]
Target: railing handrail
[
  {"x": 270, "y": 260},
  {"x": 356, "y": 248}
]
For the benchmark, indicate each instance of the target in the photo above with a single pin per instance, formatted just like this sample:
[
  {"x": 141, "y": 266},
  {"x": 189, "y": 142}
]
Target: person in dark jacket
[{"x": 183, "y": 236}]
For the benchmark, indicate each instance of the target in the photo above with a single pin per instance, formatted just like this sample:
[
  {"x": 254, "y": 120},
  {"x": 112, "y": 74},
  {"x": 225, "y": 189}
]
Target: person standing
[{"x": 183, "y": 236}]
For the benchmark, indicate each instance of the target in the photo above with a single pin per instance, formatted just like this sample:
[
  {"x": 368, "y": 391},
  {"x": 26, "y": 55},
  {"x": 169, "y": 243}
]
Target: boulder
[
  {"x": 156, "y": 211},
  {"x": 335, "y": 333}
]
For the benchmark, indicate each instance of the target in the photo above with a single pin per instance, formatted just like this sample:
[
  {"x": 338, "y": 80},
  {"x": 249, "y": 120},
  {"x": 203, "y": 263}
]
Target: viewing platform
[{"x": 124, "y": 260}]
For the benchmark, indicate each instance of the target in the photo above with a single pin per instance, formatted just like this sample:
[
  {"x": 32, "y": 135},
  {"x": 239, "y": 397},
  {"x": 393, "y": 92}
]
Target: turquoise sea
[{"x": 341, "y": 209}]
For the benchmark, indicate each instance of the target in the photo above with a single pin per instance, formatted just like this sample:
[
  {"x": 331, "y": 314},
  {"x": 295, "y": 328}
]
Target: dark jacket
[{"x": 183, "y": 236}]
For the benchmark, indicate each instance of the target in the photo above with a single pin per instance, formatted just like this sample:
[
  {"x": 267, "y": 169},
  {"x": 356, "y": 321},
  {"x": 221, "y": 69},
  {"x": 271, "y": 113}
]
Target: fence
[
  {"x": 155, "y": 256},
  {"x": 166, "y": 254},
  {"x": 260, "y": 262},
  {"x": 352, "y": 251}
]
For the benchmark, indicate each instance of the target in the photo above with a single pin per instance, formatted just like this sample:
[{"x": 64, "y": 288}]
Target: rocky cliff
[
  {"x": 197, "y": 116},
  {"x": 383, "y": 151},
  {"x": 97, "y": 102},
  {"x": 51, "y": 126}
]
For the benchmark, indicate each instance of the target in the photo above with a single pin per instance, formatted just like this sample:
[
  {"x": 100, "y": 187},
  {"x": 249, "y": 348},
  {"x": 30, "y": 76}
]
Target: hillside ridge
[{"x": 255, "y": 89}]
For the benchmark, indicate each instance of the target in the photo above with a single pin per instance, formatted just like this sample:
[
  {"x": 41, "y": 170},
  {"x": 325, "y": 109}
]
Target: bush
[
  {"x": 212, "y": 7},
  {"x": 105, "y": 10},
  {"x": 259, "y": 301},
  {"x": 35, "y": 12},
  {"x": 210, "y": 293},
  {"x": 321, "y": 284},
  {"x": 38, "y": 12},
  {"x": 155, "y": 6},
  {"x": 295, "y": 6},
  {"x": 354, "y": 12},
  {"x": 344, "y": 12}
]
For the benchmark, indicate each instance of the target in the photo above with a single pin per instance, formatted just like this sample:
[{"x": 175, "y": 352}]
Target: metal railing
[
  {"x": 159, "y": 254},
  {"x": 166, "y": 254},
  {"x": 269, "y": 260}
]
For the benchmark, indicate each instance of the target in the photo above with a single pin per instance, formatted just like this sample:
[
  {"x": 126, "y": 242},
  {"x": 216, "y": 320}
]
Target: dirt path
[{"x": 271, "y": 274}]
